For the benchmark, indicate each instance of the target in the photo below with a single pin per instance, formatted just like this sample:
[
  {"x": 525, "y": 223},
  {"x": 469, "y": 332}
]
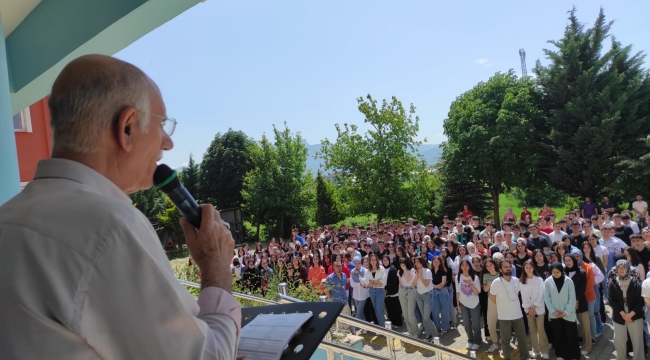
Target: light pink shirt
[{"x": 83, "y": 276}]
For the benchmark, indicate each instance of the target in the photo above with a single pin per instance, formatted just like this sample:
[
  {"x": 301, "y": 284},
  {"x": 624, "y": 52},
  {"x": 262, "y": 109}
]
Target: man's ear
[{"x": 125, "y": 126}]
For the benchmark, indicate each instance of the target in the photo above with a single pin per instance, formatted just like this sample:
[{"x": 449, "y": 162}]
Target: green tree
[
  {"x": 327, "y": 210},
  {"x": 169, "y": 222},
  {"x": 277, "y": 189},
  {"x": 291, "y": 183},
  {"x": 191, "y": 177},
  {"x": 223, "y": 168},
  {"x": 456, "y": 190},
  {"x": 259, "y": 183},
  {"x": 150, "y": 202},
  {"x": 538, "y": 196},
  {"x": 491, "y": 134},
  {"x": 377, "y": 166},
  {"x": 597, "y": 104}
]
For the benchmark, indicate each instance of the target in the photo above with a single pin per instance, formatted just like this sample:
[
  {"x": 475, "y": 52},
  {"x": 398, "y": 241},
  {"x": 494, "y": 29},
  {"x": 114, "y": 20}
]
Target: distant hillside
[{"x": 430, "y": 152}]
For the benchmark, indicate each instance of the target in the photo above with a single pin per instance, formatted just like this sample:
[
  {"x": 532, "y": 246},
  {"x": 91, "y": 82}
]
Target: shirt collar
[{"x": 78, "y": 172}]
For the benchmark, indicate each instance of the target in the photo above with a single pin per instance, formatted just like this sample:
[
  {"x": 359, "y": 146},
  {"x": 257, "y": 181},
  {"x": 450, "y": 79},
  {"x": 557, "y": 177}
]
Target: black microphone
[{"x": 166, "y": 179}]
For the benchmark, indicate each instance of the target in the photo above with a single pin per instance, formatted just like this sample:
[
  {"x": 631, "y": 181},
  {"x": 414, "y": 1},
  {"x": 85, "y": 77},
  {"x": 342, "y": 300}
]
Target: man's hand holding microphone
[{"x": 211, "y": 247}]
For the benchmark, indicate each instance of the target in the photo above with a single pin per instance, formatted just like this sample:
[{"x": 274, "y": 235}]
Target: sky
[{"x": 249, "y": 65}]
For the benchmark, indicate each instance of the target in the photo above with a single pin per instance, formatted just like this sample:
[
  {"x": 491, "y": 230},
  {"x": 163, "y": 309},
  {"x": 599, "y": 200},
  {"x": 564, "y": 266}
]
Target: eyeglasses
[{"x": 168, "y": 124}]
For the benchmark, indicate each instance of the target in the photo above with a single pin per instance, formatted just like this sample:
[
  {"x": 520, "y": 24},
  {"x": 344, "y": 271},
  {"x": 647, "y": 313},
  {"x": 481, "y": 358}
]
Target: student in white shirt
[
  {"x": 532, "y": 300},
  {"x": 376, "y": 281},
  {"x": 504, "y": 293},
  {"x": 408, "y": 295},
  {"x": 359, "y": 290},
  {"x": 468, "y": 289},
  {"x": 599, "y": 249},
  {"x": 556, "y": 235},
  {"x": 424, "y": 288}
]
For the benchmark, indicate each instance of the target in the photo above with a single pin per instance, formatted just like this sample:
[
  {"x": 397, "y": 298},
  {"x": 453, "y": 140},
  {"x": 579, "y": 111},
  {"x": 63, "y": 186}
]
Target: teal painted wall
[
  {"x": 9, "y": 175},
  {"x": 56, "y": 32},
  {"x": 56, "y": 28}
]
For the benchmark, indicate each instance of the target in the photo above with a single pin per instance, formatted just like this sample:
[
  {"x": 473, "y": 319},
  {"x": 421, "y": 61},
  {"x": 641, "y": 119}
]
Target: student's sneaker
[
  {"x": 469, "y": 346},
  {"x": 493, "y": 347},
  {"x": 532, "y": 354},
  {"x": 584, "y": 353},
  {"x": 545, "y": 356},
  {"x": 475, "y": 346}
]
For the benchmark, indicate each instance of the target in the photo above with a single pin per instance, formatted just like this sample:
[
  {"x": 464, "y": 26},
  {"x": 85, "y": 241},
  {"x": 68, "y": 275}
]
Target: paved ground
[{"x": 457, "y": 340}]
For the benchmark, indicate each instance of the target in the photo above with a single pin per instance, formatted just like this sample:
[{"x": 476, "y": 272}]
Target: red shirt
[
  {"x": 523, "y": 215},
  {"x": 467, "y": 215},
  {"x": 546, "y": 230},
  {"x": 545, "y": 212}
]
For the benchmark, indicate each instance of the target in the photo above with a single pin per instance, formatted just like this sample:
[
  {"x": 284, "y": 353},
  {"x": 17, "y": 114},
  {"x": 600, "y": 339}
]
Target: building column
[{"x": 9, "y": 174}]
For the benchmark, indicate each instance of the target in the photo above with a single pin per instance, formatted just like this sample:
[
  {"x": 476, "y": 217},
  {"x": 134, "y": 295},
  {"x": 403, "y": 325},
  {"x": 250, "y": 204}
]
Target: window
[{"x": 23, "y": 121}]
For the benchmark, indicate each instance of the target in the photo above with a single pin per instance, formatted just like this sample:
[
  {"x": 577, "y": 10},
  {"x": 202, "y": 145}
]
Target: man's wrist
[{"x": 214, "y": 276}]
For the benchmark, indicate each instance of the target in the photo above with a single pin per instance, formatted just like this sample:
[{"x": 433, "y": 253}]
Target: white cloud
[{"x": 482, "y": 61}]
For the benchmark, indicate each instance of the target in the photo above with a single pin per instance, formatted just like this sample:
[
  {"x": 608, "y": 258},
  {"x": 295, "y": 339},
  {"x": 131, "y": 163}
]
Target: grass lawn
[{"x": 506, "y": 201}]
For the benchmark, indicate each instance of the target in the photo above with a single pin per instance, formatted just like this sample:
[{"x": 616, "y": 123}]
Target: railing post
[
  {"x": 248, "y": 302},
  {"x": 436, "y": 341},
  {"x": 330, "y": 352},
  {"x": 390, "y": 342},
  {"x": 322, "y": 298},
  {"x": 282, "y": 289}
]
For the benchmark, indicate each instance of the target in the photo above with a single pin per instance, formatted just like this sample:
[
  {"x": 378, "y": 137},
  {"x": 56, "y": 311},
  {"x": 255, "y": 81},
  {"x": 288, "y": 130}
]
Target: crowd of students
[{"x": 550, "y": 279}]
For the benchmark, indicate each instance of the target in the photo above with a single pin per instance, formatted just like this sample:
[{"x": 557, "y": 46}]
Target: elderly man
[{"x": 82, "y": 271}]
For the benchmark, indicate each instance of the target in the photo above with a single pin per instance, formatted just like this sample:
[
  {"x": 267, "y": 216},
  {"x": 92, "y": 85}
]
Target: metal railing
[{"x": 441, "y": 353}]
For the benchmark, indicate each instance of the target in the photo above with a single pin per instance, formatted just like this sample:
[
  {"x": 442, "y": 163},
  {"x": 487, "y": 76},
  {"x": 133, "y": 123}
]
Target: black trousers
[
  {"x": 394, "y": 310},
  {"x": 369, "y": 312},
  {"x": 483, "y": 300},
  {"x": 565, "y": 339}
]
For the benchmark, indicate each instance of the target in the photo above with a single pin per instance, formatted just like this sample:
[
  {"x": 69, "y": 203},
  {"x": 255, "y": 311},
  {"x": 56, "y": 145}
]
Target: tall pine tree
[
  {"x": 327, "y": 210},
  {"x": 191, "y": 177},
  {"x": 597, "y": 106}
]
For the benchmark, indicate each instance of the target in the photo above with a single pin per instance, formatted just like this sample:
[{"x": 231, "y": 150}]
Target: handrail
[{"x": 349, "y": 320}]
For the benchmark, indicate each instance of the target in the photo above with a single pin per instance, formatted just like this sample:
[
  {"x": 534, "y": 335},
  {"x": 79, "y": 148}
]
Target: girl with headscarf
[
  {"x": 627, "y": 311},
  {"x": 579, "y": 278},
  {"x": 560, "y": 300}
]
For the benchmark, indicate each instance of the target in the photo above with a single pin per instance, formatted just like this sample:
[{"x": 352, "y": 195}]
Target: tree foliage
[
  {"x": 491, "y": 135},
  {"x": 327, "y": 209},
  {"x": 150, "y": 202},
  {"x": 377, "y": 166},
  {"x": 191, "y": 177},
  {"x": 223, "y": 168},
  {"x": 259, "y": 183},
  {"x": 597, "y": 105},
  {"x": 537, "y": 196},
  {"x": 276, "y": 190},
  {"x": 456, "y": 190}
]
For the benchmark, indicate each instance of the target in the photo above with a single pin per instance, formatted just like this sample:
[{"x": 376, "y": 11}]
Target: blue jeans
[
  {"x": 452, "y": 308},
  {"x": 599, "y": 322},
  {"x": 377, "y": 296},
  {"x": 592, "y": 318},
  {"x": 358, "y": 305},
  {"x": 472, "y": 323},
  {"x": 440, "y": 308},
  {"x": 424, "y": 304}
]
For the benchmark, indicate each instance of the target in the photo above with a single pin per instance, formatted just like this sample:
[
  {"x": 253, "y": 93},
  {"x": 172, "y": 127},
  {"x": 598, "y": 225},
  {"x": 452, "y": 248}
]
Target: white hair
[{"x": 83, "y": 108}]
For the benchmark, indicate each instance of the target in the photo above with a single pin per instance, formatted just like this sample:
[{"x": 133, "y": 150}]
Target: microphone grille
[{"x": 163, "y": 176}]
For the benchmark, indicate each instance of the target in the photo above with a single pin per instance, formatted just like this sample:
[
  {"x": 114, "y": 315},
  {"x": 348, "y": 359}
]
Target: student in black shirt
[
  {"x": 623, "y": 232},
  {"x": 536, "y": 240},
  {"x": 576, "y": 237},
  {"x": 642, "y": 251}
]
